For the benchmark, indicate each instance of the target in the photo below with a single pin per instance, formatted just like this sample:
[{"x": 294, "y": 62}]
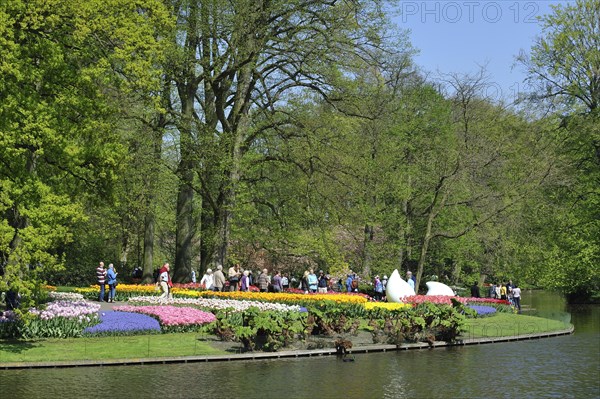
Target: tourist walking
[
  {"x": 111, "y": 276},
  {"x": 313, "y": 281},
  {"x": 207, "y": 282},
  {"x": 245, "y": 281},
  {"x": 101, "y": 277},
  {"x": 285, "y": 282},
  {"x": 277, "y": 282},
  {"x": 475, "y": 290},
  {"x": 323, "y": 282},
  {"x": 304, "y": 282},
  {"x": 410, "y": 281},
  {"x": 263, "y": 281},
  {"x": 164, "y": 279},
  {"x": 516, "y": 294},
  {"x": 234, "y": 277},
  {"x": 218, "y": 279},
  {"x": 378, "y": 288}
]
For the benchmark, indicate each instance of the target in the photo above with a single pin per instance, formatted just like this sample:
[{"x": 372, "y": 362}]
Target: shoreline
[{"x": 278, "y": 355}]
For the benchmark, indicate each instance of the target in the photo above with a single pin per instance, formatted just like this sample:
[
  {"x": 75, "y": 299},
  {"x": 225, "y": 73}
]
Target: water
[{"x": 561, "y": 367}]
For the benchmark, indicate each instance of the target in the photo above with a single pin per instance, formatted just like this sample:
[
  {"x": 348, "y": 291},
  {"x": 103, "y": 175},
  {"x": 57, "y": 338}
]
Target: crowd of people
[{"x": 239, "y": 279}]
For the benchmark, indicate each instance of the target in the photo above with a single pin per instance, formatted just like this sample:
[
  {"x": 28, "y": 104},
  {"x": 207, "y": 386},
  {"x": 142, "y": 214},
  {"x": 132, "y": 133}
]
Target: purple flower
[
  {"x": 483, "y": 310},
  {"x": 114, "y": 322}
]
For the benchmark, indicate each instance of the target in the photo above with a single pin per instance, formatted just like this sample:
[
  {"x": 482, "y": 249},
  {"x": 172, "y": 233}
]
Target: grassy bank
[
  {"x": 191, "y": 344},
  {"x": 507, "y": 324},
  {"x": 98, "y": 348}
]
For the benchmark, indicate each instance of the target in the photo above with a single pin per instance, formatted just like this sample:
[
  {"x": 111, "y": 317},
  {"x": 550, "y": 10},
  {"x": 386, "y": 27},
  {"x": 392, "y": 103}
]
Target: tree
[
  {"x": 564, "y": 70},
  {"x": 61, "y": 62},
  {"x": 237, "y": 60}
]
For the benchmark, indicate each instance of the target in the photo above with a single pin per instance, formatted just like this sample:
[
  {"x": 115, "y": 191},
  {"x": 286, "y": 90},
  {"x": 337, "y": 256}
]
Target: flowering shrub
[
  {"x": 112, "y": 323},
  {"x": 483, "y": 310},
  {"x": 216, "y": 304},
  {"x": 172, "y": 316}
]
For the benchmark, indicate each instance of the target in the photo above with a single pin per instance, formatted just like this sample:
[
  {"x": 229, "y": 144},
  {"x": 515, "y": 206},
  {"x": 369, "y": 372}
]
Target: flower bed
[
  {"x": 60, "y": 319},
  {"x": 483, "y": 310},
  {"x": 214, "y": 304},
  {"x": 119, "y": 323},
  {"x": 172, "y": 317},
  {"x": 386, "y": 305},
  {"x": 278, "y": 297},
  {"x": 65, "y": 296}
]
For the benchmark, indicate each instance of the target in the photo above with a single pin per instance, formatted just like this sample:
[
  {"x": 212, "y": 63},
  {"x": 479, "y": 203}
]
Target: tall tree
[
  {"x": 237, "y": 59},
  {"x": 61, "y": 61}
]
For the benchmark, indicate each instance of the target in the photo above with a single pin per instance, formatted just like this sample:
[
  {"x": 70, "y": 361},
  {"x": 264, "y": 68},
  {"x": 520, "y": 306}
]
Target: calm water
[{"x": 561, "y": 367}]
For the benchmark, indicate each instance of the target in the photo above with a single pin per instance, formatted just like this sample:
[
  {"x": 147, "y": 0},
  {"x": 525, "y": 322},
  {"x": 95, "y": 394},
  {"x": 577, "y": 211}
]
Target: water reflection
[{"x": 561, "y": 367}]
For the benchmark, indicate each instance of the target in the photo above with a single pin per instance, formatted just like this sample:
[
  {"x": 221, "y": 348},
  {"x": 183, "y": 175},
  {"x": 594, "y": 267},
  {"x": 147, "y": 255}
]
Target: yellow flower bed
[
  {"x": 274, "y": 296},
  {"x": 387, "y": 305}
]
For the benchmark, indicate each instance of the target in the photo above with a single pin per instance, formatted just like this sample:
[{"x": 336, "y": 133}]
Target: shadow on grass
[{"x": 14, "y": 346}]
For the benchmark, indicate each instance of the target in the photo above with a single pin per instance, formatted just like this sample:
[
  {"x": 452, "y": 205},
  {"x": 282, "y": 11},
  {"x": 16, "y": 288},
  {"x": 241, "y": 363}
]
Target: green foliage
[{"x": 426, "y": 322}]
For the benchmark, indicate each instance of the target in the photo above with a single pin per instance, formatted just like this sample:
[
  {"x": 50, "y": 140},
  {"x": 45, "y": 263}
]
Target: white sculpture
[
  {"x": 396, "y": 288},
  {"x": 435, "y": 288}
]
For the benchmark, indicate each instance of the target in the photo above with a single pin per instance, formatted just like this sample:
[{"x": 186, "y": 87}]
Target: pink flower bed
[{"x": 172, "y": 315}]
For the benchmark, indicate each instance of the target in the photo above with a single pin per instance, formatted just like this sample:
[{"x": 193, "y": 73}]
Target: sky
[{"x": 460, "y": 36}]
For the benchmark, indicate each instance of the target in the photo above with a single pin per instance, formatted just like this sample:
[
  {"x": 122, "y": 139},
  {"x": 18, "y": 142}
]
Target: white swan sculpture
[
  {"x": 396, "y": 288},
  {"x": 435, "y": 288}
]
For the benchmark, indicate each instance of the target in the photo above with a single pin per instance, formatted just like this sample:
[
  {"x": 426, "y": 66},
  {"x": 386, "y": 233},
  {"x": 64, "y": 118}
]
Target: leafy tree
[
  {"x": 564, "y": 70},
  {"x": 61, "y": 62}
]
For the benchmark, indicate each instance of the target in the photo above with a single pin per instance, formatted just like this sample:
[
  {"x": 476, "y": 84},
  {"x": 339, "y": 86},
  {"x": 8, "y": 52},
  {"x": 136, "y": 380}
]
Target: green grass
[
  {"x": 193, "y": 344},
  {"x": 507, "y": 324},
  {"x": 98, "y": 348}
]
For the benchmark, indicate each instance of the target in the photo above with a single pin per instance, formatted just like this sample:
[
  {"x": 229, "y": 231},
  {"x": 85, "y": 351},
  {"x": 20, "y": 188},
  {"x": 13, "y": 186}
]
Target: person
[
  {"x": 475, "y": 290},
  {"x": 193, "y": 276},
  {"x": 340, "y": 285},
  {"x": 313, "y": 281},
  {"x": 207, "y": 282},
  {"x": 497, "y": 290},
  {"x": 101, "y": 276},
  {"x": 285, "y": 282},
  {"x": 277, "y": 282},
  {"x": 165, "y": 281},
  {"x": 516, "y": 293},
  {"x": 493, "y": 291},
  {"x": 263, "y": 281},
  {"x": 111, "y": 276},
  {"x": 137, "y": 273},
  {"x": 349, "y": 280},
  {"x": 503, "y": 292},
  {"x": 384, "y": 281},
  {"x": 218, "y": 279},
  {"x": 409, "y": 280},
  {"x": 378, "y": 287},
  {"x": 354, "y": 283},
  {"x": 323, "y": 283},
  {"x": 245, "y": 281},
  {"x": 234, "y": 277},
  {"x": 304, "y": 282}
]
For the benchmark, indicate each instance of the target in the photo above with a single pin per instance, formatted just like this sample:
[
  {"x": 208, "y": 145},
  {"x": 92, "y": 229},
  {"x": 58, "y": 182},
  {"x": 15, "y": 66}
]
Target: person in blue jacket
[{"x": 111, "y": 277}]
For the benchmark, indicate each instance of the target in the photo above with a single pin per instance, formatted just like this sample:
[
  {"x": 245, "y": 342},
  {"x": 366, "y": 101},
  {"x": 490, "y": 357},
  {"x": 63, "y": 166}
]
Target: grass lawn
[
  {"x": 507, "y": 324},
  {"x": 190, "y": 344},
  {"x": 123, "y": 347}
]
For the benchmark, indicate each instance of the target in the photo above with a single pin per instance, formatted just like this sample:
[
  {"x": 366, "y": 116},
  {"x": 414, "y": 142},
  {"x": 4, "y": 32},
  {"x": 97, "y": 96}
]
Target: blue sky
[{"x": 457, "y": 36}]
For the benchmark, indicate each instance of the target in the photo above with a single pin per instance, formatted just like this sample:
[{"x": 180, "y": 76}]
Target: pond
[{"x": 561, "y": 367}]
